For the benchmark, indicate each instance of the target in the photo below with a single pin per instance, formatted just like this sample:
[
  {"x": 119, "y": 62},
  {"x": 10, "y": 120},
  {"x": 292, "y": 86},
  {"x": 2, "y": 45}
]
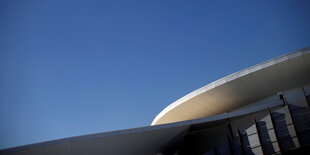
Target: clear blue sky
[{"x": 70, "y": 68}]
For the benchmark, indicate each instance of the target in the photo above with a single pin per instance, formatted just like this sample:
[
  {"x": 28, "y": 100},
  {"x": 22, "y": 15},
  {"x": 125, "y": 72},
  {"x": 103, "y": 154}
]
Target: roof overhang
[{"x": 241, "y": 88}]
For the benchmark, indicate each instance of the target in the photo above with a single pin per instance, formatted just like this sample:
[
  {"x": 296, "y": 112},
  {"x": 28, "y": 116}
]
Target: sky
[{"x": 70, "y": 68}]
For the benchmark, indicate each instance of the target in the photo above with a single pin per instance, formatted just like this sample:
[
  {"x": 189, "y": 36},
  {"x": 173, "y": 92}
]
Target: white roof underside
[{"x": 241, "y": 88}]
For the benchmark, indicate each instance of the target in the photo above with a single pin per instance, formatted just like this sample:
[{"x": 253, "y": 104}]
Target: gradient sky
[{"x": 70, "y": 68}]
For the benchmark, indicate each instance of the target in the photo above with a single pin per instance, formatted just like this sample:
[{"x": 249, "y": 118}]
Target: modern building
[{"x": 264, "y": 109}]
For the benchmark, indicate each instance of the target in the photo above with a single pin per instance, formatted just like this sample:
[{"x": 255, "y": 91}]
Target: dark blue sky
[{"x": 69, "y": 68}]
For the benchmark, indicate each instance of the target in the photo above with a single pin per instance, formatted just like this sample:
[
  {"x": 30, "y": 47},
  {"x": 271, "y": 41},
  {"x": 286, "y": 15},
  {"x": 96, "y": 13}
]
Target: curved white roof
[{"x": 241, "y": 88}]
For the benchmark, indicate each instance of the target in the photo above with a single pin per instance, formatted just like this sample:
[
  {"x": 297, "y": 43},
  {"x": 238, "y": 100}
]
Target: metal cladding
[{"x": 241, "y": 88}]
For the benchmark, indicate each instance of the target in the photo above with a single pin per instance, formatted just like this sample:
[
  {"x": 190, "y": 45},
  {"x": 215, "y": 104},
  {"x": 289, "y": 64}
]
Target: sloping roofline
[{"x": 289, "y": 67}]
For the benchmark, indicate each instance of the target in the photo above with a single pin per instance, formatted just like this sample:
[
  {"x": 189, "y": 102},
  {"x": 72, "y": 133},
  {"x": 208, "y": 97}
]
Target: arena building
[{"x": 263, "y": 109}]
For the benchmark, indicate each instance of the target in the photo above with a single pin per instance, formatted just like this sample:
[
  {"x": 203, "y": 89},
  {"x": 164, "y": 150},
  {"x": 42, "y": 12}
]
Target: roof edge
[{"x": 229, "y": 78}]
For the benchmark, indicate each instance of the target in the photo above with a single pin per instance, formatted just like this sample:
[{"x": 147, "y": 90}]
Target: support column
[
  {"x": 293, "y": 122},
  {"x": 307, "y": 100},
  {"x": 230, "y": 145},
  {"x": 241, "y": 141},
  {"x": 275, "y": 130},
  {"x": 230, "y": 129},
  {"x": 259, "y": 136}
]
